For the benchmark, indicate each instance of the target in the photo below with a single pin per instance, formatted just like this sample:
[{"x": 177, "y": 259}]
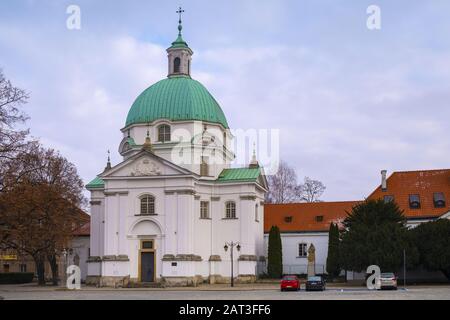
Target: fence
[
  {"x": 302, "y": 269},
  {"x": 261, "y": 268}
]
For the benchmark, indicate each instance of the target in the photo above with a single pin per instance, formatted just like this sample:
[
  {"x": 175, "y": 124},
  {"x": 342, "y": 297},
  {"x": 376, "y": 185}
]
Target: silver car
[{"x": 387, "y": 280}]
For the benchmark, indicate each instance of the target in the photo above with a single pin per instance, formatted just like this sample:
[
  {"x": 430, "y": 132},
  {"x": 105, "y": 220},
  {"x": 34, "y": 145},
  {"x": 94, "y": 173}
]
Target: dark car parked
[{"x": 315, "y": 283}]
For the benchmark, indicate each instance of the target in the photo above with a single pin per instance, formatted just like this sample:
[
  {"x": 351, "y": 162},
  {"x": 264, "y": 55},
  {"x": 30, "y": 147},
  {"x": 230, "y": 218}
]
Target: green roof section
[
  {"x": 179, "y": 43},
  {"x": 96, "y": 183},
  {"x": 131, "y": 142},
  {"x": 176, "y": 98},
  {"x": 239, "y": 175}
]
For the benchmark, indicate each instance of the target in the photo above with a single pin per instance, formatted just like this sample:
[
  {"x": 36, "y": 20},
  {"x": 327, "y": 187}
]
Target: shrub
[
  {"x": 275, "y": 256},
  {"x": 16, "y": 277}
]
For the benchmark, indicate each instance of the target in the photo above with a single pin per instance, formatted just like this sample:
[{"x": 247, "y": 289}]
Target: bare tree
[
  {"x": 283, "y": 186},
  {"x": 11, "y": 99},
  {"x": 12, "y": 140},
  {"x": 311, "y": 190}
]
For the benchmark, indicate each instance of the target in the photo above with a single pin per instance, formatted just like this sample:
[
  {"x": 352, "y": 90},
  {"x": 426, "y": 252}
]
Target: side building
[
  {"x": 422, "y": 195},
  {"x": 77, "y": 253},
  {"x": 302, "y": 225}
]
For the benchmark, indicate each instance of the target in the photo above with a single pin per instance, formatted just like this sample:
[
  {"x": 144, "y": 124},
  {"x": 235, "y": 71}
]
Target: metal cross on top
[{"x": 180, "y": 11}]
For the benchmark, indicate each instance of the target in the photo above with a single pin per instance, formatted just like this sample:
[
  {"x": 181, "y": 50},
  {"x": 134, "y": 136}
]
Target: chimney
[{"x": 383, "y": 180}]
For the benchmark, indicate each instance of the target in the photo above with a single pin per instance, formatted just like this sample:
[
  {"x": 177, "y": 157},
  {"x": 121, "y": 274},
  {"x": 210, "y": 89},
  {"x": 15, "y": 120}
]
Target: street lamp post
[
  {"x": 64, "y": 252},
  {"x": 231, "y": 245}
]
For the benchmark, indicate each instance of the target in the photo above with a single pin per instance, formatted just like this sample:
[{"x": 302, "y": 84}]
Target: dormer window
[
  {"x": 439, "y": 200},
  {"x": 176, "y": 65},
  {"x": 414, "y": 201},
  {"x": 163, "y": 133}
]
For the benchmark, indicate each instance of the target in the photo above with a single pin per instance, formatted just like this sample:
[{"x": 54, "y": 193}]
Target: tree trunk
[
  {"x": 54, "y": 266},
  {"x": 40, "y": 269}
]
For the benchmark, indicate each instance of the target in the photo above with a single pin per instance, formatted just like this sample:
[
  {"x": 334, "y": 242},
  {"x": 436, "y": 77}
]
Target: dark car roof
[{"x": 321, "y": 278}]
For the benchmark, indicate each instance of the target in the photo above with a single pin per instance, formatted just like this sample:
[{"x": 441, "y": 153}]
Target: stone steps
[{"x": 144, "y": 285}]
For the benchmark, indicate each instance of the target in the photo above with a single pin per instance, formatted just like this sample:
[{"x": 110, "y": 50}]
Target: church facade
[{"x": 171, "y": 209}]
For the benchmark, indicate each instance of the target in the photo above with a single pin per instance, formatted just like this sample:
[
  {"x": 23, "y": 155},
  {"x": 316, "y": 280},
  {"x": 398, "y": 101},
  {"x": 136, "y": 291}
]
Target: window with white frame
[
  {"x": 230, "y": 210},
  {"x": 204, "y": 210},
  {"x": 302, "y": 250},
  {"x": 148, "y": 204},
  {"x": 164, "y": 133}
]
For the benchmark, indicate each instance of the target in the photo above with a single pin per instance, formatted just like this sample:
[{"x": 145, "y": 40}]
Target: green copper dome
[{"x": 176, "y": 98}]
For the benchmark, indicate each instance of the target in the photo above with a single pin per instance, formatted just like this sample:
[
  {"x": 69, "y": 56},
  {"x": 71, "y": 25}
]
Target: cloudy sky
[{"x": 348, "y": 101}]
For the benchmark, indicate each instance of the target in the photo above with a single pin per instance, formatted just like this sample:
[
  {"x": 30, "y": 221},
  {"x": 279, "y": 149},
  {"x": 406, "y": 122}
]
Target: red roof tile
[
  {"x": 84, "y": 230},
  {"x": 304, "y": 215},
  {"x": 424, "y": 183}
]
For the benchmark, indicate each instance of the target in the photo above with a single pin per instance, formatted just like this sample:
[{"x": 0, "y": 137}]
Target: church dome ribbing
[{"x": 176, "y": 98}]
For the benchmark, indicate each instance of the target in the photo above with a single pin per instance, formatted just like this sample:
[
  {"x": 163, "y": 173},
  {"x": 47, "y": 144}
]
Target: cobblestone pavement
[{"x": 254, "y": 292}]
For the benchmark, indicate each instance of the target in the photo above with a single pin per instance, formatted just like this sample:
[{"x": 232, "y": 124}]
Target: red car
[{"x": 290, "y": 283}]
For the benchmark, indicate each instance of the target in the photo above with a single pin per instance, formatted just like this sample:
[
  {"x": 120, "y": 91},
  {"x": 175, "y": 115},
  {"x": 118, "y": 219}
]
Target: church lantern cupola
[{"x": 179, "y": 54}]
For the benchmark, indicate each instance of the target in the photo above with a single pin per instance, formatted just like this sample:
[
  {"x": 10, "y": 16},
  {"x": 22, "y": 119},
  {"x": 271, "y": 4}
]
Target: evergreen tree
[
  {"x": 275, "y": 258},
  {"x": 375, "y": 234},
  {"x": 333, "y": 266},
  {"x": 432, "y": 239}
]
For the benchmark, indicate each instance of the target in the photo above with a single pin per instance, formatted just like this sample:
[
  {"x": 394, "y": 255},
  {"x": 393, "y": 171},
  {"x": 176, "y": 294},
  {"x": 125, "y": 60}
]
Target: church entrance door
[
  {"x": 147, "y": 261},
  {"x": 147, "y": 266}
]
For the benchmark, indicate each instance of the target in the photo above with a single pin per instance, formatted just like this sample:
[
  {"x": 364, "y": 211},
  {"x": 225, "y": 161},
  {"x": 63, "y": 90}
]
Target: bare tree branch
[
  {"x": 283, "y": 187},
  {"x": 311, "y": 190}
]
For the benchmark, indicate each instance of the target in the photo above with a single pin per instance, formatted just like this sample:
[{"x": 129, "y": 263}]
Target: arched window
[
  {"x": 176, "y": 65},
  {"x": 148, "y": 204},
  {"x": 230, "y": 210},
  {"x": 164, "y": 133}
]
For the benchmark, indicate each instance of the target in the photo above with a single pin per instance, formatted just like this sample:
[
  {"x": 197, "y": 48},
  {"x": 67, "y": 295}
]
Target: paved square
[{"x": 254, "y": 292}]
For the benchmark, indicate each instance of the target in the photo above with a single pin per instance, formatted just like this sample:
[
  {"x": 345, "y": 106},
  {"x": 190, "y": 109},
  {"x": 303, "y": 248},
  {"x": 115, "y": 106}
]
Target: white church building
[{"x": 169, "y": 211}]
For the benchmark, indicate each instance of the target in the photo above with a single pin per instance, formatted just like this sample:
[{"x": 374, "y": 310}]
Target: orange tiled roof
[
  {"x": 304, "y": 215},
  {"x": 424, "y": 183},
  {"x": 84, "y": 230}
]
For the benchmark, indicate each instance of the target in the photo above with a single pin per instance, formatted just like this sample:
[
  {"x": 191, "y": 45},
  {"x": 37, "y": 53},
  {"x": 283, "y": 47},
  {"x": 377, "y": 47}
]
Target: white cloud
[{"x": 347, "y": 103}]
